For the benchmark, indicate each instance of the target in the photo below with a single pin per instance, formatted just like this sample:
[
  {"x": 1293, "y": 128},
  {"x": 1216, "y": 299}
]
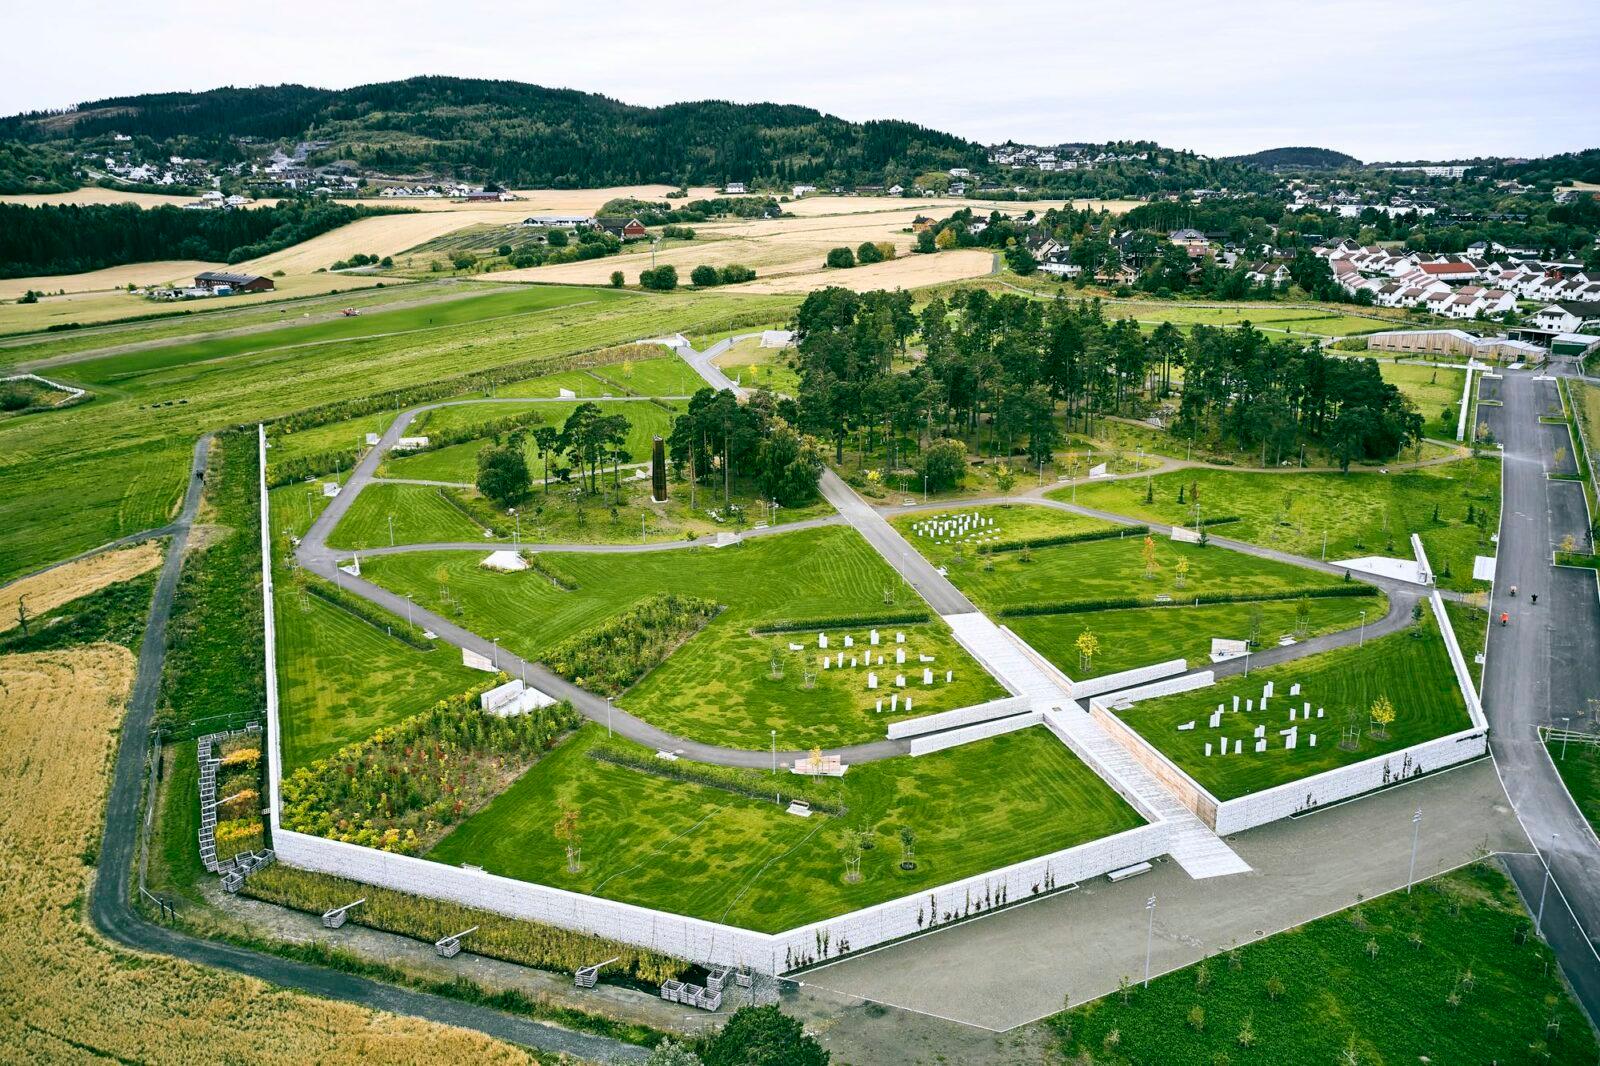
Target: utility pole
[
  {"x": 774, "y": 751},
  {"x": 1149, "y": 933},
  {"x": 1362, "y": 642},
  {"x": 1538, "y": 920},
  {"x": 391, "y": 531}
]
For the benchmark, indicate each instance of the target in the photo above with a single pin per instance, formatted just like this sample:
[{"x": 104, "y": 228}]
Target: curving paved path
[{"x": 110, "y": 903}]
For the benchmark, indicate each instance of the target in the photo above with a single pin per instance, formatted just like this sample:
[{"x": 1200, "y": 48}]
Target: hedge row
[
  {"x": 1050, "y": 540},
  {"x": 748, "y": 783},
  {"x": 1197, "y": 600},
  {"x": 560, "y": 578},
  {"x": 368, "y": 612},
  {"x": 308, "y": 466},
  {"x": 613, "y": 655},
  {"x": 444, "y": 438},
  {"x": 843, "y": 621}
]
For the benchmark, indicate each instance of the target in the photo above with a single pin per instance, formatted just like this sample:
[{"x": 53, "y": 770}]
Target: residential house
[
  {"x": 802, "y": 190},
  {"x": 921, "y": 222},
  {"x": 1267, "y": 274},
  {"x": 560, "y": 221},
  {"x": 1449, "y": 270},
  {"x": 1568, "y": 316},
  {"x": 896, "y": 190},
  {"x": 1191, "y": 241},
  {"x": 621, "y": 226},
  {"x": 734, "y": 188},
  {"x": 212, "y": 280}
]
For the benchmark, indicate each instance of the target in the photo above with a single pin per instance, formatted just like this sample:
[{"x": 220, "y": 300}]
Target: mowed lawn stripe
[{"x": 974, "y": 808}]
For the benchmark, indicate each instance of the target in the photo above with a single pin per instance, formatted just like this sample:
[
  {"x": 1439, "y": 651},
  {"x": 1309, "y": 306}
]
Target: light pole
[
  {"x": 1564, "y": 731},
  {"x": 774, "y": 751},
  {"x": 1324, "y": 545},
  {"x": 1416, "y": 829},
  {"x": 391, "y": 531},
  {"x": 924, "y": 488},
  {"x": 1361, "y": 642},
  {"x": 608, "y": 716},
  {"x": 1538, "y": 920},
  {"x": 1149, "y": 933},
  {"x": 409, "y": 622},
  {"x": 496, "y": 653},
  {"x": 516, "y": 538}
]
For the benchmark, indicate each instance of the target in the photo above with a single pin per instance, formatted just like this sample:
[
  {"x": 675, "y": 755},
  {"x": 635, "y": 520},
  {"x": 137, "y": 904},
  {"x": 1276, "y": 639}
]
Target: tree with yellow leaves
[
  {"x": 1182, "y": 570},
  {"x": 1382, "y": 714},
  {"x": 1150, "y": 564},
  {"x": 1088, "y": 646}
]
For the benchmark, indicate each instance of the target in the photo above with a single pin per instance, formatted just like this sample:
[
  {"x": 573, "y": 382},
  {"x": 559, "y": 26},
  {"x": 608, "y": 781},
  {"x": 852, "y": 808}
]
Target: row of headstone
[
  {"x": 1290, "y": 738},
  {"x": 956, "y": 525},
  {"x": 894, "y": 703}
]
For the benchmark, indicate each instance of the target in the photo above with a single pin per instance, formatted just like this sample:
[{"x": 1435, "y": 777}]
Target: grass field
[
  {"x": 1361, "y": 514},
  {"x": 1449, "y": 973},
  {"x": 421, "y": 514},
  {"x": 757, "y": 367},
  {"x": 1434, "y": 390},
  {"x": 1140, "y": 636},
  {"x": 1094, "y": 572},
  {"x": 76, "y": 478},
  {"x": 1410, "y": 668},
  {"x": 664, "y": 375},
  {"x": 1579, "y": 766},
  {"x": 74, "y": 996},
  {"x": 717, "y": 687},
  {"x": 1013, "y": 525},
  {"x": 713, "y": 854},
  {"x": 1471, "y": 623}
]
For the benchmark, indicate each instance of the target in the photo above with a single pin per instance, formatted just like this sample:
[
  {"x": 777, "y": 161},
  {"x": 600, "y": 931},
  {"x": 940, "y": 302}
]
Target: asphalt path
[
  {"x": 110, "y": 903},
  {"x": 1542, "y": 667}
]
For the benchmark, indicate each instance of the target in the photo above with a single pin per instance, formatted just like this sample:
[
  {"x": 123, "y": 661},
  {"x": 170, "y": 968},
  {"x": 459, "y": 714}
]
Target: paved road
[
  {"x": 1542, "y": 667},
  {"x": 110, "y": 905}
]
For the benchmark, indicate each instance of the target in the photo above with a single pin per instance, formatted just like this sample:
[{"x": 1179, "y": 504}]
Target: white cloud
[{"x": 1376, "y": 79}]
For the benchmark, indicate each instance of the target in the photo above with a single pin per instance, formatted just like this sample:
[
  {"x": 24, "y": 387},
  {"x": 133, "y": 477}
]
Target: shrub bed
[
  {"x": 560, "y": 578},
  {"x": 625, "y": 647},
  {"x": 843, "y": 621},
  {"x": 750, "y": 783},
  {"x": 402, "y": 787},
  {"x": 530, "y": 943}
]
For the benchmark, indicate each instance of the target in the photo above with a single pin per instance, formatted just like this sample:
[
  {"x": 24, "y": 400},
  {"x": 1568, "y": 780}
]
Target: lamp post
[
  {"x": 1564, "y": 733},
  {"x": 409, "y": 622},
  {"x": 496, "y": 643},
  {"x": 1416, "y": 829},
  {"x": 1149, "y": 933},
  {"x": 516, "y": 538},
  {"x": 774, "y": 751},
  {"x": 924, "y": 488},
  {"x": 1538, "y": 920},
  {"x": 391, "y": 531},
  {"x": 1362, "y": 640},
  {"x": 608, "y": 716}
]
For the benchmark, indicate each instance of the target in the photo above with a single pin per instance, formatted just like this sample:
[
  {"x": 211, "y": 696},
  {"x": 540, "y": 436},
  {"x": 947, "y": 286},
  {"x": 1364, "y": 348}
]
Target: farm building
[
  {"x": 628, "y": 229},
  {"x": 221, "y": 279}
]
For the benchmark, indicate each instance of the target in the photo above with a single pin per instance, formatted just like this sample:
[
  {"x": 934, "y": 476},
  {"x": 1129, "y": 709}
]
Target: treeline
[
  {"x": 520, "y": 134},
  {"x": 70, "y": 239},
  {"x": 1004, "y": 368},
  {"x": 720, "y": 438},
  {"x": 664, "y": 214}
]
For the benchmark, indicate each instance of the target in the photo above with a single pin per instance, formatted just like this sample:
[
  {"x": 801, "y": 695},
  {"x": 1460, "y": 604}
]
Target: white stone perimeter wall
[
  {"x": 1458, "y": 663},
  {"x": 1127, "y": 679},
  {"x": 1186, "y": 683},
  {"x": 956, "y": 737},
  {"x": 670, "y": 934},
  {"x": 926, "y": 910},
  {"x": 1247, "y": 812},
  {"x": 269, "y": 620},
  {"x": 978, "y": 712}
]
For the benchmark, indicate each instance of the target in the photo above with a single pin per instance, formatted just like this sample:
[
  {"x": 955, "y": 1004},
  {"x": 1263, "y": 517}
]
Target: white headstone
[
  {"x": 1261, "y": 745},
  {"x": 899, "y": 655},
  {"x": 1291, "y": 714},
  {"x": 849, "y": 641},
  {"x": 873, "y": 638},
  {"x": 852, "y": 660},
  {"x": 924, "y": 658},
  {"x": 1266, "y": 690},
  {"x": 1238, "y": 747},
  {"x": 1319, "y": 712},
  {"x": 1208, "y": 747},
  {"x": 899, "y": 680},
  {"x": 894, "y": 702},
  {"x": 1261, "y": 731},
  {"x": 1236, "y": 703},
  {"x": 1294, "y": 689},
  {"x": 826, "y": 662},
  {"x": 872, "y": 680},
  {"x": 1312, "y": 740},
  {"x": 908, "y": 701},
  {"x": 796, "y": 647},
  {"x": 927, "y": 676},
  {"x": 880, "y": 704},
  {"x": 899, "y": 638},
  {"x": 1305, "y": 710},
  {"x": 822, "y": 640},
  {"x": 1216, "y": 719},
  {"x": 949, "y": 676},
  {"x": 1249, "y": 705},
  {"x": 841, "y": 659},
  {"x": 1185, "y": 727},
  {"x": 1223, "y": 749}
]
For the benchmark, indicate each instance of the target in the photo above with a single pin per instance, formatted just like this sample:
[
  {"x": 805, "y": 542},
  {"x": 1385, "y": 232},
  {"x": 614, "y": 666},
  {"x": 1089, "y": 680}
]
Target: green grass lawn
[
  {"x": 548, "y": 386},
  {"x": 717, "y": 687},
  {"x": 335, "y": 436},
  {"x": 1095, "y": 572},
  {"x": 1471, "y": 624},
  {"x": 1014, "y": 524},
  {"x": 1140, "y": 636},
  {"x": 1410, "y": 668},
  {"x": 713, "y": 854},
  {"x": 78, "y": 477},
  {"x": 1361, "y": 513},
  {"x": 1433, "y": 389},
  {"x": 665, "y": 375},
  {"x": 1447, "y": 974},
  {"x": 422, "y": 514},
  {"x": 459, "y": 462},
  {"x": 1580, "y": 769},
  {"x": 757, "y": 367}
]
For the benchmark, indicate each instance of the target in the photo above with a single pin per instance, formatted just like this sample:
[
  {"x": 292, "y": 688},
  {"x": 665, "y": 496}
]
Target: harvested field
[
  {"x": 552, "y": 201},
  {"x": 939, "y": 206},
  {"x": 68, "y": 582},
  {"x": 380, "y": 235},
  {"x": 93, "y": 194},
  {"x": 163, "y": 272},
  {"x": 906, "y": 272},
  {"x": 74, "y": 996}
]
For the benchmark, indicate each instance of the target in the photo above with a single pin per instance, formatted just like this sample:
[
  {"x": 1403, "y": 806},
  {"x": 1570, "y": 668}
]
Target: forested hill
[
  {"x": 515, "y": 133},
  {"x": 1299, "y": 159}
]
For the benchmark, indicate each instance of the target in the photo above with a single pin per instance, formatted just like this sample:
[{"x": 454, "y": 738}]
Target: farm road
[{"x": 110, "y": 905}]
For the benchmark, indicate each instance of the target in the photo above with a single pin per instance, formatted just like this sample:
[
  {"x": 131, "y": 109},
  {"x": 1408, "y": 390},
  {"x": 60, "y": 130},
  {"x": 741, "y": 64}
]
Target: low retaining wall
[
  {"x": 956, "y": 737},
  {"x": 978, "y": 712},
  {"x": 1259, "y": 808},
  {"x": 1112, "y": 682},
  {"x": 1185, "y": 683},
  {"x": 1186, "y": 789},
  {"x": 1458, "y": 662}
]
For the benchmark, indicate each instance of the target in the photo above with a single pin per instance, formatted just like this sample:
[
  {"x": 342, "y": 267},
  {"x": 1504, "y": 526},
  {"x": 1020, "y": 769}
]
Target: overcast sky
[{"x": 1380, "y": 80}]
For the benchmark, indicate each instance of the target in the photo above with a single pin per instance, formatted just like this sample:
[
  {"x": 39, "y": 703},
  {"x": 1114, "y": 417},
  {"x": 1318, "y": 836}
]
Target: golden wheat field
[
  {"x": 69, "y": 581},
  {"x": 66, "y": 995},
  {"x": 93, "y": 194},
  {"x": 906, "y": 272}
]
